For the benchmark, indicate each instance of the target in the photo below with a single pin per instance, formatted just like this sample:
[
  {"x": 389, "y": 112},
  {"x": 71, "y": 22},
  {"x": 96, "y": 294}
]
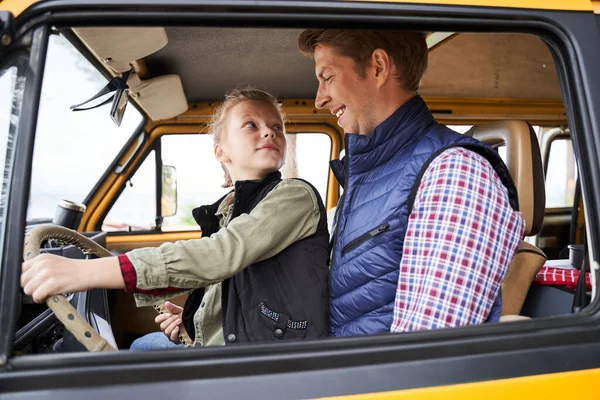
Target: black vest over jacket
[{"x": 283, "y": 297}]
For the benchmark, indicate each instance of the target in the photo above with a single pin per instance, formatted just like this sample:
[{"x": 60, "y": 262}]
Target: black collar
[
  {"x": 245, "y": 191},
  {"x": 248, "y": 189}
]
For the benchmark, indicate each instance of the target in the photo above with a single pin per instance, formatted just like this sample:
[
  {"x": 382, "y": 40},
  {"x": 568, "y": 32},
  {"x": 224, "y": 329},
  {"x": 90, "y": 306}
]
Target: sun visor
[
  {"x": 161, "y": 97},
  {"x": 118, "y": 47}
]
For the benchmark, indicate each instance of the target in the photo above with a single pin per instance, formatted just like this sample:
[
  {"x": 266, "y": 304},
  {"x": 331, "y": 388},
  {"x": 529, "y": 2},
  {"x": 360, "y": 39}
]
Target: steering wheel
[{"x": 63, "y": 310}]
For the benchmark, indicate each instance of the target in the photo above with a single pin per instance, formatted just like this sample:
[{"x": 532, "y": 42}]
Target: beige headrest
[{"x": 524, "y": 162}]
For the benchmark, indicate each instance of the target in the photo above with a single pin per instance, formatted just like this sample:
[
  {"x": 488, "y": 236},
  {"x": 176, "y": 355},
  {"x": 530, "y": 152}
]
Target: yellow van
[{"x": 126, "y": 168}]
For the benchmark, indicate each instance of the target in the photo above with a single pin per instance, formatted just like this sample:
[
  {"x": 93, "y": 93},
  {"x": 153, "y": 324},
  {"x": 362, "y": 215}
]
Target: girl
[{"x": 260, "y": 271}]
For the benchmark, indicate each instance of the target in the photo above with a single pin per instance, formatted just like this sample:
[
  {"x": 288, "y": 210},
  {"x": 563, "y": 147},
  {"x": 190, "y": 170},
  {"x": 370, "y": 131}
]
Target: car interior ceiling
[{"x": 501, "y": 66}]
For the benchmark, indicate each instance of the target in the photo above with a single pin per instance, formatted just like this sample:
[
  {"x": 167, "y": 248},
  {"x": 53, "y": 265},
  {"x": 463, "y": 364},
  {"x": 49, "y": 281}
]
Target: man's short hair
[{"x": 407, "y": 49}]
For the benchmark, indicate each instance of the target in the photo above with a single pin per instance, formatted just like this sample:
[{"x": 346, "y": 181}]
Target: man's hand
[
  {"x": 48, "y": 274},
  {"x": 169, "y": 321}
]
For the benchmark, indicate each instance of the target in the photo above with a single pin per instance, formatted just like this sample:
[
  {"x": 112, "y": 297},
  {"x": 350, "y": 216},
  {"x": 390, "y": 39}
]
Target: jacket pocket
[
  {"x": 364, "y": 237},
  {"x": 269, "y": 324}
]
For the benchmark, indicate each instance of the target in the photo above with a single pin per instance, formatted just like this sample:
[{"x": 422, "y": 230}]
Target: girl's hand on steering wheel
[{"x": 49, "y": 274}]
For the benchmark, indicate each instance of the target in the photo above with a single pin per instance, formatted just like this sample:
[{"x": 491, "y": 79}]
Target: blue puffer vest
[{"x": 380, "y": 174}]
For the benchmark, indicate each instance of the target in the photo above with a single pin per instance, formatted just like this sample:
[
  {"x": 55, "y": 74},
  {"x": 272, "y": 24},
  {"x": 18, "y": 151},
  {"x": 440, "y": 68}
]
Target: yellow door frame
[
  {"x": 16, "y": 7},
  {"x": 577, "y": 384}
]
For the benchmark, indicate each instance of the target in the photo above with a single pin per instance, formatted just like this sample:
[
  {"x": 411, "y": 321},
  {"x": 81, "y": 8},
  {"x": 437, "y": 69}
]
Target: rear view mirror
[
  {"x": 119, "y": 98},
  {"x": 118, "y": 105},
  {"x": 168, "y": 198}
]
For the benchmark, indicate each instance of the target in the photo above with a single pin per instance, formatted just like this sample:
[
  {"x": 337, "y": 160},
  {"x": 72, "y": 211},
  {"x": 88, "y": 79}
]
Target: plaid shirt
[{"x": 461, "y": 236}]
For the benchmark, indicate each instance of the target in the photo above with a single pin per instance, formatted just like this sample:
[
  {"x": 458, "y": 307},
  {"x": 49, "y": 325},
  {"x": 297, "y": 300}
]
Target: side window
[
  {"x": 199, "y": 179},
  {"x": 199, "y": 176},
  {"x": 9, "y": 103},
  {"x": 135, "y": 208},
  {"x": 308, "y": 158},
  {"x": 561, "y": 174},
  {"x": 12, "y": 86},
  {"x": 502, "y": 152}
]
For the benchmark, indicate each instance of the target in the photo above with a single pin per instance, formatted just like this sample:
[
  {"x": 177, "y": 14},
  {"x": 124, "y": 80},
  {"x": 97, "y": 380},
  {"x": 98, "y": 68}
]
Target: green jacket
[{"x": 206, "y": 262}]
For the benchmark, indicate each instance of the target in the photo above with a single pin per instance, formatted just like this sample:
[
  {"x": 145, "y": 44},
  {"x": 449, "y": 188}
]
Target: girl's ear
[{"x": 220, "y": 154}]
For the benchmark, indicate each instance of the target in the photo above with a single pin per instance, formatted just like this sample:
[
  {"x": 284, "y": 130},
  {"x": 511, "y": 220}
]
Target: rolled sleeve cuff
[
  {"x": 150, "y": 268},
  {"x": 128, "y": 272},
  {"x": 144, "y": 297}
]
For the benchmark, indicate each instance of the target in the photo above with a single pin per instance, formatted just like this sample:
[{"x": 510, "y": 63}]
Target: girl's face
[{"x": 254, "y": 142}]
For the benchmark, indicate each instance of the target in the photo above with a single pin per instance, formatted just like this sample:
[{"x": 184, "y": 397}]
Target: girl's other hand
[{"x": 170, "y": 321}]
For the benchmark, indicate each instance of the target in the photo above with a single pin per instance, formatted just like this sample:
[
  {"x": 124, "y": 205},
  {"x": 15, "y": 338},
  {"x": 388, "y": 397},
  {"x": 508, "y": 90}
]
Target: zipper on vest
[
  {"x": 341, "y": 206},
  {"x": 364, "y": 237}
]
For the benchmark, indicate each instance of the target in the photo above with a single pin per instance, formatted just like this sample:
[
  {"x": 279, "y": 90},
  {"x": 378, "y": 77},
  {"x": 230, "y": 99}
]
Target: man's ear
[
  {"x": 220, "y": 154},
  {"x": 382, "y": 63}
]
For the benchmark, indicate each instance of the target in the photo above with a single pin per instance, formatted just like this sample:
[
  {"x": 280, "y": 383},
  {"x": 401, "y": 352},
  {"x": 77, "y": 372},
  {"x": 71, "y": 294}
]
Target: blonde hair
[{"x": 216, "y": 126}]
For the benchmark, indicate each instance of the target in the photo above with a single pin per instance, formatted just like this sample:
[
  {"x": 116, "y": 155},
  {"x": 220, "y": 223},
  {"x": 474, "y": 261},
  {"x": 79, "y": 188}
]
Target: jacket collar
[
  {"x": 407, "y": 124},
  {"x": 224, "y": 208},
  {"x": 206, "y": 216},
  {"x": 249, "y": 189}
]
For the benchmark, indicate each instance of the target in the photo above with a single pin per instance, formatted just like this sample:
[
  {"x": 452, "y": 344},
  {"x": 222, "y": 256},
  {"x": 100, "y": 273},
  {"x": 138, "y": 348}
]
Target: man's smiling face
[{"x": 344, "y": 92}]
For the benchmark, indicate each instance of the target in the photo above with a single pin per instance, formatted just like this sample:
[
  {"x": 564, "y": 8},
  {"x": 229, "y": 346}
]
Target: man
[{"x": 427, "y": 224}]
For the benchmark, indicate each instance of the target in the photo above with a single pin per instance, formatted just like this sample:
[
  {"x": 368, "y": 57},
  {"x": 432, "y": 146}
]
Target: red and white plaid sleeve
[{"x": 462, "y": 234}]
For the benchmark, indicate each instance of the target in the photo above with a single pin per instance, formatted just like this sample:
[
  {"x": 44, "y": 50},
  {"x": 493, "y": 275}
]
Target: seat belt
[
  {"x": 580, "y": 299},
  {"x": 574, "y": 226}
]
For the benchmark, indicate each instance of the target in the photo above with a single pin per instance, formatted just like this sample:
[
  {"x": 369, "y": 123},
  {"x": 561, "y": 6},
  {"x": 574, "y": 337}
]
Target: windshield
[{"x": 72, "y": 149}]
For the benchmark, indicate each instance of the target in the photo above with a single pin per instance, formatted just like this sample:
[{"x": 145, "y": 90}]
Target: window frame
[
  {"x": 19, "y": 59},
  {"x": 35, "y": 42},
  {"x": 549, "y": 137},
  {"x": 155, "y": 143},
  {"x": 575, "y": 337},
  {"x": 128, "y": 173}
]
